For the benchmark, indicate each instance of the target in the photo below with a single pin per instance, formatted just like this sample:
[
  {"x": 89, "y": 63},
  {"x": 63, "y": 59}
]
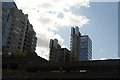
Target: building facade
[
  {"x": 17, "y": 32},
  {"x": 75, "y": 44},
  {"x": 80, "y": 46},
  {"x": 54, "y": 47},
  {"x": 30, "y": 39},
  {"x": 58, "y": 54},
  {"x": 85, "y": 48},
  {"x": 63, "y": 55}
]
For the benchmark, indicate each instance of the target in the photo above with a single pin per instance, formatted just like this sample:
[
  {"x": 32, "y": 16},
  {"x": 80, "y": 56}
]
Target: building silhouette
[
  {"x": 80, "y": 46},
  {"x": 17, "y": 32},
  {"x": 58, "y": 54}
]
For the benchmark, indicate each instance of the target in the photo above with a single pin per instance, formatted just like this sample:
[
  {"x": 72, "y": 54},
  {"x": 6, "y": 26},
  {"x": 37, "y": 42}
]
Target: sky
[{"x": 54, "y": 19}]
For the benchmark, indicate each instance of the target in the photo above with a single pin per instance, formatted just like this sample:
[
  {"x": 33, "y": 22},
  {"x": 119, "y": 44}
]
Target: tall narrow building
[
  {"x": 17, "y": 32},
  {"x": 30, "y": 39},
  {"x": 75, "y": 44},
  {"x": 80, "y": 46},
  {"x": 54, "y": 48}
]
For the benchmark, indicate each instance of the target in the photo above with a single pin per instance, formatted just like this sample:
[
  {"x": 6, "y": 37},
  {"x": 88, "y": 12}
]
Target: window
[
  {"x": 23, "y": 26},
  {"x": 18, "y": 29},
  {"x": 15, "y": 31},
  {"x": 12, "y": 24},
  {"x": 83, "y": 58},
  {"x": 17, "y": 19},
  {"x": 21, "y": 35},
  {"x": 20, "y": 38},
  {"x": 22, "y": 22},
  {"x": 9, "y": 37},
  {"x": 7, "y": 46},
  {"x": 8, "y": 42},
  {"x": 83, "y": 51},
  {"x": 18, "y": 47},
  {"x": 19, "y": 43}
]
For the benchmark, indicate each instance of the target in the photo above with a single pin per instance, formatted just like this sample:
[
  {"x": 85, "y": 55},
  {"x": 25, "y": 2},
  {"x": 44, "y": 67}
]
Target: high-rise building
[
  {"x": 80, "y": 46},
  {"x": 54, "y": 47},
  {"x": 75, "y": 44},
  {"x": 58, "y": 54},
  {"x": 85, "y": 48},
  {"x": 17, "y": 32},
  {"x": 30, "y": 39}
]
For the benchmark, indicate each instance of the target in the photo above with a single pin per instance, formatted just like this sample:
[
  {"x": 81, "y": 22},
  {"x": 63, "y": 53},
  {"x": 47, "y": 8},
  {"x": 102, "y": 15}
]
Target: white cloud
[
  {"x": 43, "y": 52},
  {"x": 48, "y": 15}
]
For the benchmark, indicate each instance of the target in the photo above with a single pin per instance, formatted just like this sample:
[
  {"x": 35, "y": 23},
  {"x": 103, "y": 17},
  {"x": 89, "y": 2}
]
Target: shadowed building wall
[
  {"x": 17, "y": 32},
  {"x": 75, "y": 44}
]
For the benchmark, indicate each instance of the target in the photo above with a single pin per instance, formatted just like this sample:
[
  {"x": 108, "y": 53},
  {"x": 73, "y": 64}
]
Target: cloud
[
  {"x": 47, "y": 16},
  {"x": 71, "y": 19}
]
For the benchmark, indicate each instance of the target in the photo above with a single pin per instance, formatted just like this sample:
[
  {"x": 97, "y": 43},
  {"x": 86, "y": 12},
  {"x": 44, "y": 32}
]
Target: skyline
[
  {"x": 54, "y": 32},
  {"x": 52, "y": 14},
  {"x": 103, "y": 23}
]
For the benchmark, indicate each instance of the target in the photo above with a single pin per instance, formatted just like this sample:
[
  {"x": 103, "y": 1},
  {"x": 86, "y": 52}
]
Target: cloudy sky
[{"x": 54, "y": 18}]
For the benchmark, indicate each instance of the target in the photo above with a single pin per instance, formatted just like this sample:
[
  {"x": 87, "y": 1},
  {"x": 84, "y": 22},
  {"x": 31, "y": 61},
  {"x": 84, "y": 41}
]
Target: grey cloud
[
  {"x": 45, "y": 5},
  {"x": 42, "y": 41},
  {"x": 44, "y": 20},
  {"x": 73, "y": 20}
]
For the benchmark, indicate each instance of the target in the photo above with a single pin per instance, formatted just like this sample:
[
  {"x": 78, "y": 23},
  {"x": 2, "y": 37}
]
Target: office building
[
  {"x": 58, "y": 54},
  {"x": 30, "y": 39},
  {"x": 17, "y": 32},
  {"x": 80, "y": 46},
  {"x": 85, "y": 48},
  {"x": 75, "y": 44}
]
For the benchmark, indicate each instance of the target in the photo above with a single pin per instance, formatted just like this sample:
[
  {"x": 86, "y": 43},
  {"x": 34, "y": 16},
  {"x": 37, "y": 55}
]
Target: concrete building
[
  {"x": 63, "y": 55},
  {"x": 54, "y": 47},
  {"x": 75, "y": 44},
  {"x": 30, "y": 39},
  {"x": 17, "y": 32},
  {"x": 80, "y": 46},
  {"x": 85, "y": 48},
  {"x": 58, "y": 54}
]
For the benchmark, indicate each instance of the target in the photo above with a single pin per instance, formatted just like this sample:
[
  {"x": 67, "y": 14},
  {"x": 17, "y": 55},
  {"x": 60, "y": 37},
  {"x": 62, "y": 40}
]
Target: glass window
[
  {"x": 83, "y": 58},
  {"x": 83, "y": 51}
]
